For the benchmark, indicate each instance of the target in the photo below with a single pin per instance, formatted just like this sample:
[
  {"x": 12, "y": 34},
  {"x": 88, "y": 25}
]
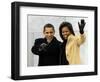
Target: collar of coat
[{"x": 53, "y": 40}]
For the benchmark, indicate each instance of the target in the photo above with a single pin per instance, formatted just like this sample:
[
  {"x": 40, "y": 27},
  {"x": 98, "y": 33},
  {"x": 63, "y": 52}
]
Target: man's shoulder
[
  {"x": 57, "y": 41},
  {"x": 39, "y": 39}
]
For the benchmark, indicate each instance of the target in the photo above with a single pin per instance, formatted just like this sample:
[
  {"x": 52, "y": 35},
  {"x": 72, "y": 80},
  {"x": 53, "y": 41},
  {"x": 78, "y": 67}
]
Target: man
[{"x": 48, "y": 48}]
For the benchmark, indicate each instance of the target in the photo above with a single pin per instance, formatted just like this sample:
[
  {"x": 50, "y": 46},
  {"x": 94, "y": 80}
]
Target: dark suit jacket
[{"x": 52, "y": 54}]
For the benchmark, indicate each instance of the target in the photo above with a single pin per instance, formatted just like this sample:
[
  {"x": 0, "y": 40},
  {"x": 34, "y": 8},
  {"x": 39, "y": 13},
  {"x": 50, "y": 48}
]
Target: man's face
[
  {"x": 49, "y": 33},
  {"x": 65, "y": 32}
]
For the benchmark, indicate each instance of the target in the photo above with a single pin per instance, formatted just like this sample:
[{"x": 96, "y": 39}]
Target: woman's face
[{"x": 65, "y": 32}]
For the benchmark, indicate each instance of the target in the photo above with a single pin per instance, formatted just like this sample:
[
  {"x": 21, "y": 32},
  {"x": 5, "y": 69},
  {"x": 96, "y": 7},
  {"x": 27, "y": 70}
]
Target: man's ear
[
  {"x": 43, "y": 32},
  {"x": 54, "y": 32}
]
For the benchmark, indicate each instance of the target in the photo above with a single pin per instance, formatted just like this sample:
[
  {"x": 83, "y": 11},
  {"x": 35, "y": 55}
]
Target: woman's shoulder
[
  {"x": 75, "y": 37},
  {"x": 71, "y": 37}
]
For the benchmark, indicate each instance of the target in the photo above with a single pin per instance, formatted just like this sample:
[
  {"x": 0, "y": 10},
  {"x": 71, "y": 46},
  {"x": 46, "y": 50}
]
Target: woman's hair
[
  {"x": 48, "y": 26},
  {"x": 65, "y": 24}
]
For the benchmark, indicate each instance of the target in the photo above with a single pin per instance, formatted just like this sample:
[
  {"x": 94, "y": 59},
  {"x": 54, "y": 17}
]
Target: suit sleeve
[{"x": 35, "y": 48}]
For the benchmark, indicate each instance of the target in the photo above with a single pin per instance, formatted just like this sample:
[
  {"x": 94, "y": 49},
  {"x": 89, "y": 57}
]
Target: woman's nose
[{"x": 65, "y": 33}]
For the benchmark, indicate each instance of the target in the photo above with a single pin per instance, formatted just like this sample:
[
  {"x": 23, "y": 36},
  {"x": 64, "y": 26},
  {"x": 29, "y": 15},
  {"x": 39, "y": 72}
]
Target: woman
[{"x": 71, "y": 43}]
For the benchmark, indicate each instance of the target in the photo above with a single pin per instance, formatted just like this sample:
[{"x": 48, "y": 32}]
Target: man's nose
[{"x": 49, "y": 34}]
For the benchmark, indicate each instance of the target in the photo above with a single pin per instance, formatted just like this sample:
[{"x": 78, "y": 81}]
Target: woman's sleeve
[{"x": 81, "y": 39}]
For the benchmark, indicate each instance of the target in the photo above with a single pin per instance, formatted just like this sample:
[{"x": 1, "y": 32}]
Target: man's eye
[{"x": 46, "y": 32}]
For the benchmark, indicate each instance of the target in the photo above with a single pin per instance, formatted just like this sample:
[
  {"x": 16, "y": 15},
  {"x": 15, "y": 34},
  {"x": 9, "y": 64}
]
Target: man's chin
[{"x": 50, "y": 38}]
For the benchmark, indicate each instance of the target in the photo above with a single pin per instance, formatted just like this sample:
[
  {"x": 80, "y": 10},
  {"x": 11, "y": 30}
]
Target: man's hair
[
  {"x": 48, "y": 26},
  {"x": 65, "y": 24}
]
